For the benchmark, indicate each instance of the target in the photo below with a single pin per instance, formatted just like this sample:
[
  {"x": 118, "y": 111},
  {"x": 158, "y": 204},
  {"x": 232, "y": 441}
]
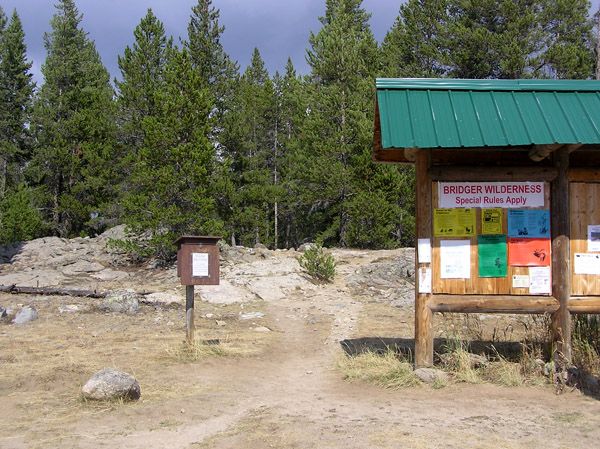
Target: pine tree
[
  {"x": 16, "y": 91},
  {"x": 142, "y": 69},
  {"x": 172, "y": 177},
  {"x": 490, "y": 39},
  {"x": 290, "y": 107},
  {"x": 248, "y": 147},
  {"x": 208, "y": 57},
  {"x": 73, "y": 121},
  {"x": 567, "y": 41},
  {"x": 413, "y": 47}
]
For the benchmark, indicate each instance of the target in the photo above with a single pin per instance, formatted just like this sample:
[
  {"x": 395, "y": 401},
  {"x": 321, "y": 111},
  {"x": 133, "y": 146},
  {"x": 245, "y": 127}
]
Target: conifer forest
[{"x": 183, "y": 141}]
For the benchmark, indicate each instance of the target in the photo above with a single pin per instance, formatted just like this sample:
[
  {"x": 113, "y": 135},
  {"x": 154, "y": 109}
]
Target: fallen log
[{"x": 50, "y": 291}]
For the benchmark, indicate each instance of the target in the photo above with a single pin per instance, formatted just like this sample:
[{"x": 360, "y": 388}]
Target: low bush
[{"x": 317, "y": 264}]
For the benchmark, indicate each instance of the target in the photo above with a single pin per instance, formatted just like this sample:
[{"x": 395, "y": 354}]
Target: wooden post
[
  {"x": 561, "y": 258},
  {"x": 189, "y": 314},
  {"x": 423, "y": 314}
]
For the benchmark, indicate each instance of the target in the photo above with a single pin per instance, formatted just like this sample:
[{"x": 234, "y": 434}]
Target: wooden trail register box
[
  {"x": 198, "y": 260},
  {"x": 197, "y": 264}
]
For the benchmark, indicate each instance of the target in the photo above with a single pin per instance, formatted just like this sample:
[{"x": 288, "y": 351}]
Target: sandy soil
[{"x": 282, "y": 391}]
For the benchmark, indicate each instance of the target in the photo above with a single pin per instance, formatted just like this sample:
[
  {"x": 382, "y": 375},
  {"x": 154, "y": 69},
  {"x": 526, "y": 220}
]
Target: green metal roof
[{"x": 453, "y": 113}]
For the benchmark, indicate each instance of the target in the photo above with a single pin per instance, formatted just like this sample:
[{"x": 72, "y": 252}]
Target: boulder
[
  {"x": 110, "y": 384},
  {"x": 305, "y": 246},
  {"x": 25, "y": 315},
  {"x": 122, "y": 301},
  {"x": 431, "y": 375}
]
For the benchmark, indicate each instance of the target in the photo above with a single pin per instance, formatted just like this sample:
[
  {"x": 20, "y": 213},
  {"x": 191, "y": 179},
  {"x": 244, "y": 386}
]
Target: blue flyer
[{"x": 529, "y": 223}]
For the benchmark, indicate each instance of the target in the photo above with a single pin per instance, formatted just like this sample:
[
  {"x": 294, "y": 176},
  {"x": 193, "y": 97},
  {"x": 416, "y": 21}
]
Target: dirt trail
[{"x": 288, "y": 395}]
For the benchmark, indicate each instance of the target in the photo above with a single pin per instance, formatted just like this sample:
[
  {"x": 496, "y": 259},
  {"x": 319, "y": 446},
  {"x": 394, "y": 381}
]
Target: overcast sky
[{"x": 279, "y": 28}]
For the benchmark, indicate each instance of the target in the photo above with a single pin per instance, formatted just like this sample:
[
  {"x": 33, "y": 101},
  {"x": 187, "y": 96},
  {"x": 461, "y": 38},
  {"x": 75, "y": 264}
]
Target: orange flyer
[{"x": 529, "y": 252}]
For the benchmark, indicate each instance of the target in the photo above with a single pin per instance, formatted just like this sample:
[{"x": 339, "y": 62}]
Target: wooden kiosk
[{"x": 508, "y": 196}]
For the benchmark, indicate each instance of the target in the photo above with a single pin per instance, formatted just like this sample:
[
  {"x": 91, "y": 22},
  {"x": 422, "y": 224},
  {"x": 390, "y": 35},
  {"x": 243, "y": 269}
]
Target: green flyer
[{"x": 492, "y": 256}]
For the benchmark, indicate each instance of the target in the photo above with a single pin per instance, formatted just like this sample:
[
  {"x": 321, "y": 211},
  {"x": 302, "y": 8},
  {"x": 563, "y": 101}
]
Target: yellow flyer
[
  {"x": 491, "y": 221},
  {"x": 454, "y": 222}
]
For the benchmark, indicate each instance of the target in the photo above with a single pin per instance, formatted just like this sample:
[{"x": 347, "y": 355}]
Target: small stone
[
  {"x": 221, "y": 323},
  {"x": 109, "y": 384},
  {"x": 262, "y": 329},
  {"x": 431, "y": 375},
  {"x": 70, "y": 308},
  {"x": 25, "y": 315},
  {"x": 3, "y": 312},
  {"x": 126, "y": 301},
  {"x": 209, "y": 315},
  {"x": 251, "y": 315}
]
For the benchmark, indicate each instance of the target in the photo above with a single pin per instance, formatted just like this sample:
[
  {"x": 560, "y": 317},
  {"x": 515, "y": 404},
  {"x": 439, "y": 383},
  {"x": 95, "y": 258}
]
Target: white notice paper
[
  {"x": 424, "y": 250},
  {"x": 540, "y": 281},
  {"x": 586, "y": 263},
  {"x": 455, "y": 257},
  {"x": 199, "y": 264},
  {"x": 424, "y": 280},
  {"x": 593, "y": 238},
  {"x": 520, "y": 281}
]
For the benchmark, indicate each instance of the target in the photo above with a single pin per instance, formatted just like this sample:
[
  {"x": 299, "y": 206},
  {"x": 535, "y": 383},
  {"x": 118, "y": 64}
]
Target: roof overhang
[{"x": 537, "y": 116}]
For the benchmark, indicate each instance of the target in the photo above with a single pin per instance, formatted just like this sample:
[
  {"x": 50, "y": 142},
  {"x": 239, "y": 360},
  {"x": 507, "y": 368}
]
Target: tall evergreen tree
[
  {"x": 171, "y": 182},
  {"x": 290, "y": 107},
  {"x": 490, "y": 39},
  {"x": 206, "y": 51},
  {"x": 73, "y": 121},
  {"x": 339, "y": 179},
  {"x": 248, "y": 147},
  {"x": 142, "y": 69},
  {"x": 16, "y": 91},
  {"x": 413, "y": 46}
]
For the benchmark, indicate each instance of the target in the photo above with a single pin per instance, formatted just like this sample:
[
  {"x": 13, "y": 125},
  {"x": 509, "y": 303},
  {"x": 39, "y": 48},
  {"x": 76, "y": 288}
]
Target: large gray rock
[
  {"x": 110, "y": 384},
  {"x": 122, "y": 301},
  {"x": 25, "y": 315},
  {"x": 431, "y": 375}
]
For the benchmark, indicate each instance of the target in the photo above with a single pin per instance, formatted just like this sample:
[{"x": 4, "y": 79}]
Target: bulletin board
[
  {"x": 585, "y": 238},
  {"x": 484, "y": 243}
]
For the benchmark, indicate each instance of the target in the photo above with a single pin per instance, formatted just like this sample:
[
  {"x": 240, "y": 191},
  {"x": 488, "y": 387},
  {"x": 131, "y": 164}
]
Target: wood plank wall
[{"x": 585, "y": 210}]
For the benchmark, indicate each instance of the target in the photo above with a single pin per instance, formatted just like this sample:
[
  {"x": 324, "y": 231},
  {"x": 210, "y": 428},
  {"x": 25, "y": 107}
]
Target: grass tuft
[
  {"x": 385, "y": 370},
  {"x": 198, "y": 350}
]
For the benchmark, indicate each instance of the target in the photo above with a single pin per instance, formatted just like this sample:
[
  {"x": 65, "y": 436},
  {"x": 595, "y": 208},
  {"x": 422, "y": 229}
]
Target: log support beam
[
  {"x": 541, "y": 152},
  {"x": 423, "y": 313},
  {"x": 493, "y": 304},
  {"x": 561, "y": 258}
]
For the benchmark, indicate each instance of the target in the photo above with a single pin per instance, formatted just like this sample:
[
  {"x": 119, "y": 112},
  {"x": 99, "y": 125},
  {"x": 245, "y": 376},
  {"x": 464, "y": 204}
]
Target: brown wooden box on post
[{"x": 198, "y": 260}]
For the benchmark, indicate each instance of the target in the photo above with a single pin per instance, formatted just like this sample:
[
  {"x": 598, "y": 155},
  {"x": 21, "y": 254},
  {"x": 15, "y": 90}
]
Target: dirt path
[{"x": 288, "y": 395}]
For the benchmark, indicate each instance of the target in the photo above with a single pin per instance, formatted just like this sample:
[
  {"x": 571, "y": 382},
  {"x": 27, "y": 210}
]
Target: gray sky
[{"x": 279, "y": 28}]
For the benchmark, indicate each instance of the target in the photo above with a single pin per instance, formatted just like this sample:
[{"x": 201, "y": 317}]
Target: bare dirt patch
[{"x": 274, "y": 389}]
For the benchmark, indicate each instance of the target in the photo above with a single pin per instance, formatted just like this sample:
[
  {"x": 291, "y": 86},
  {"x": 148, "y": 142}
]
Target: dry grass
[
  {"x": 459, "y": 364},
  {"x": 200, "y": 349},
  {"x": 384, "y": 370}
]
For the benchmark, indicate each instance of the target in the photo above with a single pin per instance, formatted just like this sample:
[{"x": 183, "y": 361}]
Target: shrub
[
  {"x": 318, "y": 264},
  {"x": 19, "y": 218}
]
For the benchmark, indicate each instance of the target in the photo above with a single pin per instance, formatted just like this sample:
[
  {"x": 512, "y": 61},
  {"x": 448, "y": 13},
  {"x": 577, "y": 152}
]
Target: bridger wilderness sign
[{"x": 491, "y": 194}]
